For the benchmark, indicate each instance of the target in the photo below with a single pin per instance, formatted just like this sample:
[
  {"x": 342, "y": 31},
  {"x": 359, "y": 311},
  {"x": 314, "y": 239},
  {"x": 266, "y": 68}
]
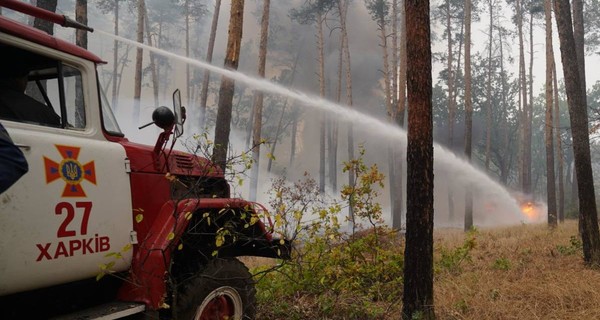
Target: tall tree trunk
[
  {"x": 81, "y": 40},
  {"x": 333, "y": 132},
  {"x": 115, "y": 73},
  {"x": 137, "y": 94},
  {"x": 559, "y": 151},
  {"x": 232, "y": 57},
  {"x": 321, "y": 61},
  {"x": 258, "y": 100},
  {"x": 468, "y": 113},
  {"x": 209, "y": 54},
  {"x": 529, "y": 115},
  {"x": 504, "y": 170},
  {"x": 588, "y": 214},
  {"x": 418, "y": 255},
  {"x": 399, "y": 114},
  {"x": 343, "y": 9},
  {"x": 451, "y": 102},
  {"x": 152, "y": 59},
  {"x": 550, "y": 178},
  {"x": 488, "y": 118},
  {"x": 187, "y": 50},
  {"x": 45, "y": 25},
  {"x": 578, "y": 34},
  {"x": 523, "y": 104}
]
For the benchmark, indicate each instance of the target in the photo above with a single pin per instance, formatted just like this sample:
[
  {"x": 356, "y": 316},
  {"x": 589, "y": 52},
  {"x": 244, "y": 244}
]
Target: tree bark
[
  {"x": 528, "y": 188},
  {"x": 418, "y": 261},
  {"x": 550, "y": 177},
  {"x": 152, "y": 59},
  {"x": 468, "y": 113},
  {"x": 223, "y": 125},
  {"x": 343, "y": 9},
  {"x": 115, "y": 59},
  {"x": 488, "y": 118},
  {"x": 559, "y": 151},
  {"x": 451, "y": 102},
  {"x": 42, "y": 24},
  {"x": 258, "y": 100},
  {"x": 588, "y": 214},
  {"x": 137, "y": 94},
  {"x": 504, "y": 170},
  {"x": 523, "y": 103},
  {"x": 321, "y": 61},
  {"x": 399, "y": 115},
  {"x": 209, "y": 54},
  {"x": 81, "y": 40}
]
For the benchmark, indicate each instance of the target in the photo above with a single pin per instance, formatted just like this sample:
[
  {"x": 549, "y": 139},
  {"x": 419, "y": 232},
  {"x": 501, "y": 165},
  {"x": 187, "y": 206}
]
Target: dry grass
[
  {"x": 518, "y": 273},
  {"x": 514, "y": 273}
]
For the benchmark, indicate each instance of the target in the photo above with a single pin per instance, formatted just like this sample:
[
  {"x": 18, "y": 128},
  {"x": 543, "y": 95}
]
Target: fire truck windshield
[{"x": 108, "y": 118}]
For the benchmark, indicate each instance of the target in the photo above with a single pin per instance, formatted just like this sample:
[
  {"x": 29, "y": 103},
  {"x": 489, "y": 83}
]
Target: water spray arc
[{"x": 461, "y": 170}]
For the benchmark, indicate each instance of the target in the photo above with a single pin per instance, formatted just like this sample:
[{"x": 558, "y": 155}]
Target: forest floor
[{"x": 519, "y": 272}]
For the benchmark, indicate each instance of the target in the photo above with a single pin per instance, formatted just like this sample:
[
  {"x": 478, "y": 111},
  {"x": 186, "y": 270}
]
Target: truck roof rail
[{"x": 31, "y": 10}]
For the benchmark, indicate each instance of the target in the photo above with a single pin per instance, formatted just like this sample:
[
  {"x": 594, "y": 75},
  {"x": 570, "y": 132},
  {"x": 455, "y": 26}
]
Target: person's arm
[{"x": 12, "y": 161}]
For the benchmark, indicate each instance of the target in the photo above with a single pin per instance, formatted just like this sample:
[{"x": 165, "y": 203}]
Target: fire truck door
[{"x": 62, "y": 220}]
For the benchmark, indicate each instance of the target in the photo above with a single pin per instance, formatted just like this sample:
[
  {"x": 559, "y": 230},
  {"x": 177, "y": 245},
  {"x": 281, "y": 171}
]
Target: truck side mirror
[{"x": 179, "y": 113}]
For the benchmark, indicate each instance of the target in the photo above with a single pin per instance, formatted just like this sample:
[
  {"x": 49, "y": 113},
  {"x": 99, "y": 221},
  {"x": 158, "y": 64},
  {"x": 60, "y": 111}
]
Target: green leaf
[{"x": 139, "y": 217}]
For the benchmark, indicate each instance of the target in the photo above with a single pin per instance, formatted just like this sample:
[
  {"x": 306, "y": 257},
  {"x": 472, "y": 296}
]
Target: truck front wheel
[{"x": 223, "y": 289}]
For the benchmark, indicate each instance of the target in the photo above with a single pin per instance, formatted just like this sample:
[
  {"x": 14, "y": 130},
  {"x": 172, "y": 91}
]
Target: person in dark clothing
[
  {"x": 12, "y": 161},
  {"x": 17, "y": 106}
]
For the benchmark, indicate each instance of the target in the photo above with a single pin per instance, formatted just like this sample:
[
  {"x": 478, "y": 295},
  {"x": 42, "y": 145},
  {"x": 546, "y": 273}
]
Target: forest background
[{"x": 292, "y": 60}]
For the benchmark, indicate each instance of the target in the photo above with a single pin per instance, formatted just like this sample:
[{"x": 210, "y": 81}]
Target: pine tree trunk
[
  {"x": 343, "y": 9},
  {"x": 321, "y": 61},
  {"x": 488, "y": 119},
  {"x": 550, "y": 177},
  {"x": 523, "y": 103},
  {"x": 45, "y": 25},
  {"x": 528, "y": 188},
  {"x": 232, "y": 56},
  {"x": 505, "y": 169},
  {"x": 451, "y": 103},
  {"x": 468, "y": 113},
  {"x": 258, "y": 100},
  {"x": 559, "y": 151},
  {"x": 152, "y": 59},
  {"x": 209, "y": 54},
  {"x": 137, "y": 94},
  {"x": 418, "y": 256},
  {"x": 399, "y": 114},
  {"x": 588, "y": 214},
  {"x": 81, "y": 40},
  {"x": 115, "y": 74}
]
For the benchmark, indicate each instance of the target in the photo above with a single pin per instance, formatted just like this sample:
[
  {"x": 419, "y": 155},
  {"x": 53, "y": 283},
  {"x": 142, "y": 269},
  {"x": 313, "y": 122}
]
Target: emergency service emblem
[{"x": 70, "y": 170}]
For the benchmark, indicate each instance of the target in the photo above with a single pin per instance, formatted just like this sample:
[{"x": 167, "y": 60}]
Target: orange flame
[{"x": 530, "y": 211}]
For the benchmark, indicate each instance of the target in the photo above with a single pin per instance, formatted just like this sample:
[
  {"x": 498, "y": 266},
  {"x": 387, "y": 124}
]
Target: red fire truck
[{"x": 102, "y": 227}]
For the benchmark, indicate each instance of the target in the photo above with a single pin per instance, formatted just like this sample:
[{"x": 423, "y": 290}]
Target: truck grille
[{"x": 184, "y": 162}]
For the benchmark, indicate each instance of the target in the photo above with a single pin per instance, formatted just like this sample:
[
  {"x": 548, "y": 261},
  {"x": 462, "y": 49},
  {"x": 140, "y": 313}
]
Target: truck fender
[{"x": 152, "y": 256}]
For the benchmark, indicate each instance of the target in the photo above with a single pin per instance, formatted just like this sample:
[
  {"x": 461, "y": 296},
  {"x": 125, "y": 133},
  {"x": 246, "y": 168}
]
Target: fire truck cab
[{"x": 102, "y": 227}]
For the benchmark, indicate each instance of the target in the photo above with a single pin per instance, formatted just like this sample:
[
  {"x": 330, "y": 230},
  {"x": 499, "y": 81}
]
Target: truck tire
[{"x": 223, "y": 289}]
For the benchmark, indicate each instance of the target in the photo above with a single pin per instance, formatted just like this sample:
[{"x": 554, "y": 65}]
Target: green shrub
[
  {"x": 575, "y": 246},
  {"x": 451, "y": 260},
  {"x": 332, "y": 274}
]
